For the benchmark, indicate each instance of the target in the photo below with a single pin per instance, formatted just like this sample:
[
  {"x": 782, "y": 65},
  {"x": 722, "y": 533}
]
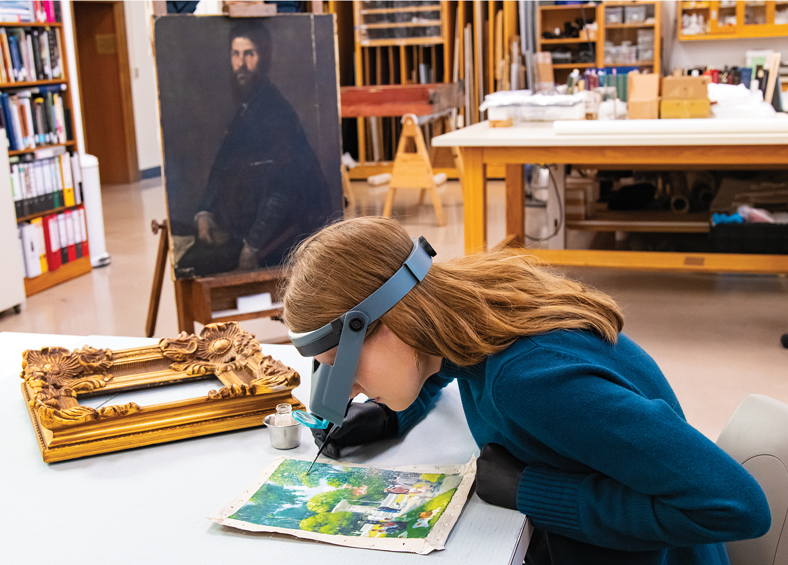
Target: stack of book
[
  {"x": 52, "y": 241},
  {"x": 46, "y": 183},
  {"x": 29, "y": 11},
  {"x": 30, "y": 54},
  {"x": 33, "y": 117}
]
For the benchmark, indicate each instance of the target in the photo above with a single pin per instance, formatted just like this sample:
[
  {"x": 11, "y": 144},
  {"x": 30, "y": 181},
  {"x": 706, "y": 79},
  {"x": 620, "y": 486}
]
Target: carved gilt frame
[{"x": 55, "y": 379}]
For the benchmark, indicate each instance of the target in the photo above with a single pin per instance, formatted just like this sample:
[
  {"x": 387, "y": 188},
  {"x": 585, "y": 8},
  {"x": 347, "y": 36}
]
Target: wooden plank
[
  {"x": 655, "y": 260},
  {"x": 718, "y": 156},
  {"x": 398, "y": 100},
  {"x": 183, "y": 305},
  {"x": 515, "y": 204},
  {"x": 362, "y": 172},
  {"x": 475, "y": 200},
  {"x": 66, "y": 272}
]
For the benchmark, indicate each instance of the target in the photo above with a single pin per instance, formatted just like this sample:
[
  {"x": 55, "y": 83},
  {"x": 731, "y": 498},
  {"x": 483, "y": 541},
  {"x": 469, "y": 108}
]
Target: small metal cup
[{"x": 283, "y": 437}]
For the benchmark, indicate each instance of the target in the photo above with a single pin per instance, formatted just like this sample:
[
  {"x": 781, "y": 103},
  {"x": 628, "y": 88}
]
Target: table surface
[
  {"x": 149, "y": 505},
  {"x": 542, "y": 134}
]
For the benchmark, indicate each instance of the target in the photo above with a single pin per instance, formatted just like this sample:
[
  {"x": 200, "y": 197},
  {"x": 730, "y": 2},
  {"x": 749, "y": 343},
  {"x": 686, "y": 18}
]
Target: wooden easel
[
  {"x": 197, "y": 299},
  {"x": 410, "y": 170},
  {"x": 413, "y": 169}
]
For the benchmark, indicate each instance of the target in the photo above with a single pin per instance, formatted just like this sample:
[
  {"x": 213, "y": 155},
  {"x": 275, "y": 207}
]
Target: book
[
  {"x": 75, "y": 223},
  {"x": 61, "y": 230},
  {"x": 52, "y": 240},
  {"x": 83, "y": 224},
  {"x": 35, "y": 45},
  {"x": 71, "y": 237},
  {"x": 16, "y": 57},
  {"x": 31, "y": 60},
  {"x": 16, "y": 11},
  {"x": 9, "y": 123},
  {"x": 64, "y": 165},
  {"x": 45, "y": 58},
  {"x": 30, "y": 252},
  {"x": 49, "y": 8},
  {"x": 9, "y": 67},
  {"x": 38, "y": 223},
  {"x": 55, "y": 53}
]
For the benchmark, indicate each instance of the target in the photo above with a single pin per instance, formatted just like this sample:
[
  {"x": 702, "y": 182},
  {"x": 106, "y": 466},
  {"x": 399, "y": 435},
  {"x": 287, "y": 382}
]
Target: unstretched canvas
[{"x": 410, "y": 508}]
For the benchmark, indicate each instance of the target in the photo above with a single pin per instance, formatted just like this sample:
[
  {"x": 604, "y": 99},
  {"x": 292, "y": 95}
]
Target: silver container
[{"x": 283, "y": 437}]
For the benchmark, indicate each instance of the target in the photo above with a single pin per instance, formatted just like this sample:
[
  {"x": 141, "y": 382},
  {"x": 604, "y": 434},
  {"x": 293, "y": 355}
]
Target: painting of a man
[{"x": 266, "y": 187}]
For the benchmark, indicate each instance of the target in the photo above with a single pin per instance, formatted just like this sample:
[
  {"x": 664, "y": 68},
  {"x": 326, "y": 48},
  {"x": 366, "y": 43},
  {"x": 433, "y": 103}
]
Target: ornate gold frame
[{"x": 55, "y": 378}]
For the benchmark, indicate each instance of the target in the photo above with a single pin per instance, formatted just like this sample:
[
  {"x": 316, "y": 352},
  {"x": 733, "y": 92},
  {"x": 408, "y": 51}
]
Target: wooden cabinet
[{"x": 732, "y": 19}]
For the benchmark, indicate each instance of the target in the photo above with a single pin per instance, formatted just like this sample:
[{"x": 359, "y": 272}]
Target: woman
[{"x": 579, "y": 429}]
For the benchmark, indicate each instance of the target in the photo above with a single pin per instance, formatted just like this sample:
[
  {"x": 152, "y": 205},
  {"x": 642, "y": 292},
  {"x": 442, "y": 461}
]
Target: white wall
[
  {"x": 143, "y": 84},
  {"x": 713, "y": 52}
]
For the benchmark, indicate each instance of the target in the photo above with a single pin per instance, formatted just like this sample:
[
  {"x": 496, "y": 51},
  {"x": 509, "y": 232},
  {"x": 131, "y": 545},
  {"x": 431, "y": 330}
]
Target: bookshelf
[
  {"x": 627, "y": 34},
  {"x": 41, "y": 145}
]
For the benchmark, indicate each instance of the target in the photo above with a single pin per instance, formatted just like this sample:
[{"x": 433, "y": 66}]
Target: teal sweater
[{"x": 614, "y": 473}]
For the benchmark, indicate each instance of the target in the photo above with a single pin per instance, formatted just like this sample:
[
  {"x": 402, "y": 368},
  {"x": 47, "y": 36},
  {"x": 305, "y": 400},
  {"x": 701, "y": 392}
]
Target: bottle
[{"x": 284, "y": 415}]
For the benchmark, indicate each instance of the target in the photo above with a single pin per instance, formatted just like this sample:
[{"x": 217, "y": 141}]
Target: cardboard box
[
  {"x": 682, "y": 109},
  {"x": 642, "y": 96},
  {"x": 685, "y": 88}
]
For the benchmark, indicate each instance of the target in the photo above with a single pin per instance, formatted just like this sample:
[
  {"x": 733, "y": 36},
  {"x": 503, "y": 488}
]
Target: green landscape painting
[{"x": 350, "y": 501}]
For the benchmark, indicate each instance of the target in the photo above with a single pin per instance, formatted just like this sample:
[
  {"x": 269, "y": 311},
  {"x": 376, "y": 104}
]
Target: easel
[
  {"x": 413, "y": 169},
  {"x": 197, "y": 299},
  {"x": 410, "y": 170}
]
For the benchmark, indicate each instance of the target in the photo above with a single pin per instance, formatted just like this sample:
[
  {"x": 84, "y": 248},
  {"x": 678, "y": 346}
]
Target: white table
[
  {"x": 538, "y": 143},
  {"x": 149, "y": 505}
]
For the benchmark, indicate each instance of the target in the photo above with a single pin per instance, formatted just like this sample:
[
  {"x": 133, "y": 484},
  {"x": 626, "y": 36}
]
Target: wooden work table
[{"x": 538, "y": 143}]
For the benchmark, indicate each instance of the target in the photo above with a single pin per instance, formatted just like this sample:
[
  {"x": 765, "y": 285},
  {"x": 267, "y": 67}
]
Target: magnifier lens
[{"x": 309, "y": 420}]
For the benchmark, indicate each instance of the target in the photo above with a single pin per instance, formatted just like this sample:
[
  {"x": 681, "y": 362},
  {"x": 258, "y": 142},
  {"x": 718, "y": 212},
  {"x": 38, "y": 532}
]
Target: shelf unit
[
  {"x": 644, "y": 222},
  {"x": 395, "y": 59},
  {"x": 734, "y": 20},
  {"x": 80, "y": 266},
  {"x": 555, "y": 16}
]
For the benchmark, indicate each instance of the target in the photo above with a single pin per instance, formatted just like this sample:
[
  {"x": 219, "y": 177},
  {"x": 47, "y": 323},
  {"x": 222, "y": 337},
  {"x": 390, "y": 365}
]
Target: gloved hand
[
  {"x": 247, "y": 260},
  {"x": 498, "y": 476},
  {"x": 365, "y": 422},
  {"x": 209, "y": 231}
]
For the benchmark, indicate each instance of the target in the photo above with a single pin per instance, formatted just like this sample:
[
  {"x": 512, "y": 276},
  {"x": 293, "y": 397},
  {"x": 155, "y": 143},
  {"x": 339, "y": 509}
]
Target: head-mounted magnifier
[{"x": 331, "y": 384}]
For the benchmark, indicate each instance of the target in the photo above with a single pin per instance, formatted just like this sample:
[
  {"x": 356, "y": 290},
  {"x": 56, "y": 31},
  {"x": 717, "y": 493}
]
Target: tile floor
[{"x": 716, "y": 337}]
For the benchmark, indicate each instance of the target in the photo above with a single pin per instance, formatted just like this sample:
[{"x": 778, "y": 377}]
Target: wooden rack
[
  {"x": 555, "y": 16},
  {"x": 384, "y": 43}
]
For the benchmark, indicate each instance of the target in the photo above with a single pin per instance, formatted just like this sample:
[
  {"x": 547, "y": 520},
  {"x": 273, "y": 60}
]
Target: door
[{"x": 105, "y": 86}]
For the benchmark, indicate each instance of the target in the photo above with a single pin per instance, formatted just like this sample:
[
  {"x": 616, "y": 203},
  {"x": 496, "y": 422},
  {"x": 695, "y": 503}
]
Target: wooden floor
[{"x": 716, "y": 337}]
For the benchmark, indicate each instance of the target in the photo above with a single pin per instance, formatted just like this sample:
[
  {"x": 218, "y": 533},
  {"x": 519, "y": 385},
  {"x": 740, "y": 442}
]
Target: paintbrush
[
  {"x": 328, "y": 435},
  {"x": 319, "y": 451}
]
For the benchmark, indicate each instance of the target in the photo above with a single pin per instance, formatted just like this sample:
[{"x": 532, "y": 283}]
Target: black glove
[
  {"x": 498, "y": 476},
  {"x": 365, "y": 422}
]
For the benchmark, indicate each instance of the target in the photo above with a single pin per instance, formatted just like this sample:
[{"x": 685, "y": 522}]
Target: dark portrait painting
[{"x": 250, "y": 135}]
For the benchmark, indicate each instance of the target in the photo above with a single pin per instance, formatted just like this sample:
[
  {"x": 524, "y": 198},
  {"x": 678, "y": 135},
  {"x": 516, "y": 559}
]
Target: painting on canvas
[
  {"x": 400, "y": 509},
  {"x": 250, "y": 137}
]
